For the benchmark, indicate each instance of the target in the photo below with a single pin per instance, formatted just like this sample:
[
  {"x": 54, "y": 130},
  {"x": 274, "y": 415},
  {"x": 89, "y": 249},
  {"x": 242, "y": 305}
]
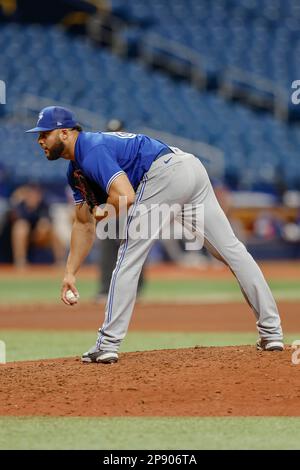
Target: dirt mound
[{"x": 236, "y": 381}]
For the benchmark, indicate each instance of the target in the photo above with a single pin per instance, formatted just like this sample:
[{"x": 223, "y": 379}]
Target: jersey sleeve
[
  {"x": 77, "y": 196},
  {"x": 101, "y": 167}
]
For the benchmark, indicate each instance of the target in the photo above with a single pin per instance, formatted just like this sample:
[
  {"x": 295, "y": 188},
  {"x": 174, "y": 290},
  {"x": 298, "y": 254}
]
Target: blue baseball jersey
[{"x": 103, "y": 156}]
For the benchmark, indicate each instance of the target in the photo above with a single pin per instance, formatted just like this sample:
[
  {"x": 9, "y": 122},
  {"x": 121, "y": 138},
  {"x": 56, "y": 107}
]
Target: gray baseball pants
[{"x": 182, "y": 180}]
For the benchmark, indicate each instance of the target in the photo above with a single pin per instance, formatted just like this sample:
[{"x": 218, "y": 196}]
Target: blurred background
[{"x": 213, "y": 77}]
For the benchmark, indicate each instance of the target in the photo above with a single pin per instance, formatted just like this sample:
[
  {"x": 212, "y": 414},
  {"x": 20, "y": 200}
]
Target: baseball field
[{"x": 189, "y": 376}]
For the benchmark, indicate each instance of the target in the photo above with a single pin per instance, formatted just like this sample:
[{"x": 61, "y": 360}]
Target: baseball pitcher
[{"x": 130, "y": 171}]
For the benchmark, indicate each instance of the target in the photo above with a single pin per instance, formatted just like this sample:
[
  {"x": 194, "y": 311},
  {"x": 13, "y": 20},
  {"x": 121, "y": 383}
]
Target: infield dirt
[{"x": 154, "y": 316}]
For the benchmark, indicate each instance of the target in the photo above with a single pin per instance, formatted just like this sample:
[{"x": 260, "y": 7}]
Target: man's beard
[{"x": 56, "y": 151}]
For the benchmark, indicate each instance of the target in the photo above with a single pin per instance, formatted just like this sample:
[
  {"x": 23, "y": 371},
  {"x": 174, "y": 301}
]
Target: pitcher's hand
[{"x": 68, "y": 283}]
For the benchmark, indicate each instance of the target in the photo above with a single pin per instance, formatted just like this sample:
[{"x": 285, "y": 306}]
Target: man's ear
[{"x": 64, "y": 134}]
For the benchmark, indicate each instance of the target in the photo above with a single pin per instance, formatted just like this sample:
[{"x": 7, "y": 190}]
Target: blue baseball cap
[{"x": 54, "y": 117}]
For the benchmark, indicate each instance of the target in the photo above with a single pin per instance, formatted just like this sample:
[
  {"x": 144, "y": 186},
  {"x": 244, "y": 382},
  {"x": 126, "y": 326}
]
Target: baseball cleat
[
  {"x": 103, "y": 357},
  {"x": 269, "y": 345}
]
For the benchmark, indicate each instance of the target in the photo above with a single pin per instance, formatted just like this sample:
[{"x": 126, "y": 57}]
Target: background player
[
  {"x": 109, "y": 247},
  {"x": 32, "y": 224}
]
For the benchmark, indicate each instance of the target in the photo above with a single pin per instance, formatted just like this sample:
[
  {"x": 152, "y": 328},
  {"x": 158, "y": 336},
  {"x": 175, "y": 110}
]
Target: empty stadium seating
[
  {"x": 261, "y": 37},
  {"x": 47, "y": 62}
]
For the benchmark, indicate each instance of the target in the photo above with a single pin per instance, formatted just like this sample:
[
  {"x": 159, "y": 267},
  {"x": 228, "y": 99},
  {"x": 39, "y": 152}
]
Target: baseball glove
[{"x": 90, "y": 191}]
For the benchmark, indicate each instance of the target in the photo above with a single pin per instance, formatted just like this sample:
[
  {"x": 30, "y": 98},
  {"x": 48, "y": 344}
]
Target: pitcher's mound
[{"x": 230, "y": 381}]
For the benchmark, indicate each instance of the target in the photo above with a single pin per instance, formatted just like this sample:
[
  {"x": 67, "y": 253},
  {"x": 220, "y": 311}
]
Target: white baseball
[{"x": 72, "y": 298}]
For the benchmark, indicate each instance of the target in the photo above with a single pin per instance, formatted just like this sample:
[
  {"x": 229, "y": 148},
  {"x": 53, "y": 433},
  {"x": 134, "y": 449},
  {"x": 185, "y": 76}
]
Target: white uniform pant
[{"x": 182, "y": 180}]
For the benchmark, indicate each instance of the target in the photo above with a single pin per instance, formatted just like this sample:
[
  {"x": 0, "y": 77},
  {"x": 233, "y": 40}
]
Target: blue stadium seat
[{"x": 96, "y": 80}]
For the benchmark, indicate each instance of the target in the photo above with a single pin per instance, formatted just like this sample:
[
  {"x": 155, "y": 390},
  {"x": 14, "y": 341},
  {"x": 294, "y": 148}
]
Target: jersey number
[{"x": 122, "y": 135}]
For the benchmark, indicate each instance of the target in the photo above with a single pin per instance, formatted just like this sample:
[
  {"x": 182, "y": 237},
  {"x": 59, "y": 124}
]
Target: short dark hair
[{"x": 77, "y": 128}]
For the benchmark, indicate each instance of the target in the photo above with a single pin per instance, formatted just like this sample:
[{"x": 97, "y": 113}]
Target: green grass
[
  {"x": 30, "y": 345},
  {"x": 149, "y": 433},
  {"x": 47, "y": 290},
  {"x": 39, "y": 290},
  {"x": 208, "y": 290}
]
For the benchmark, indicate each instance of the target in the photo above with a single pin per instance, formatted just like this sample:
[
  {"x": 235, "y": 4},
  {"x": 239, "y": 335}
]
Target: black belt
[{"x": 163, "y": 152}]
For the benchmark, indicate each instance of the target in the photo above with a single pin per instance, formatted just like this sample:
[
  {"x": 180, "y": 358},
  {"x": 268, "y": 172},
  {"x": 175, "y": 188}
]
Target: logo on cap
[{"x": 41, "y": 115}]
